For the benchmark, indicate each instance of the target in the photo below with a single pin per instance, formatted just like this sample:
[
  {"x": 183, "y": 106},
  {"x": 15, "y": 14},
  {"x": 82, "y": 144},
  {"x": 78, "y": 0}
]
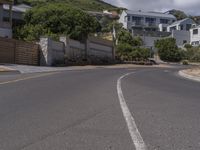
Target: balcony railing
[{"x": 5, "y": 25}]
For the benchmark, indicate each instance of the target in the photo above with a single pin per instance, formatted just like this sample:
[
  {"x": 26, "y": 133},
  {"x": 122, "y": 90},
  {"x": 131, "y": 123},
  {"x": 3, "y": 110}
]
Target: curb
[{"x": 187, "y": 76}]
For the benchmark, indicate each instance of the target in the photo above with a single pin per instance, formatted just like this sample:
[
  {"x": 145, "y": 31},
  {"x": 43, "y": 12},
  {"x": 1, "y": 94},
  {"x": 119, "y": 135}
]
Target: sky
[{"x": 190, "y": 7}]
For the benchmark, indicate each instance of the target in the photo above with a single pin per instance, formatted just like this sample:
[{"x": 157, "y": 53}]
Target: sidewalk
[
  {"x": 193, "y": 74},
  {"x": 39, "y": 69}
]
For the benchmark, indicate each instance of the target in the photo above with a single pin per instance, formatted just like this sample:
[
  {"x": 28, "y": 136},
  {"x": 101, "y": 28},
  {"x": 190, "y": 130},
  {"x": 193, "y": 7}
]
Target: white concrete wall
[
  {"x": 195, "y": 38},
  {"x": 74, "y": 49},
  {"x": 180, "y": 37},
  {"x": 5, "y": 32},
  {"x": 149, "y": 41},
  {"x": 51, "y": 51},
  {"x": 123, "y": 19},
  {"x": 101, "y": 49}
]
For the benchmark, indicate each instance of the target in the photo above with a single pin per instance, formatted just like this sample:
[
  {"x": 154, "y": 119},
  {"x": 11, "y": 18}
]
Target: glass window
[
  {"x": 195, "y": 31},
  {"x": 129, "y": 18},
  {"x": 164, "y": 21},
  {"x": 150, "y": 20},
  {"x": 188, "y": 27}
]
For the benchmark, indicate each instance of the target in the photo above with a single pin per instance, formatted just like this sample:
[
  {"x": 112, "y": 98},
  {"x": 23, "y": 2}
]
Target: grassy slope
[{"x": 94, "y": 5}]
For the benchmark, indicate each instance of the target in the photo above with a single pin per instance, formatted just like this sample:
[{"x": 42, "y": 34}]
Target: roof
[
  {"x": 180, "y": 21},
  {"x": 18, "y": 8},
  {"x": 153, "y": 14}
]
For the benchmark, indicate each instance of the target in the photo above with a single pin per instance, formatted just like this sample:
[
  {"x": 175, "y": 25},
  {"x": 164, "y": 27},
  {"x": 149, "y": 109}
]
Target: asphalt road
[{"x": 80, "y": 110}]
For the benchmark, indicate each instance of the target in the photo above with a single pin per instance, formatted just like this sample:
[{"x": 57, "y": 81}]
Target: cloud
[{"x": 188, "y": 6}]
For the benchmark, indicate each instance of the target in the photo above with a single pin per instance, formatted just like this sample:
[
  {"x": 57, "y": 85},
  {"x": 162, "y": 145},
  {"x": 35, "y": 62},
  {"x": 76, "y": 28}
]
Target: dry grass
[{"x": 193, "y": 71}]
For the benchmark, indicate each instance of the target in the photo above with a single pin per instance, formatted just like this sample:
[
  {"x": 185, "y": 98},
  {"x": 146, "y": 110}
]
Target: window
[
  {"x": 129, "y": 18},
  {"x": 164, "y": 21},
  {"x": 195, "y": 31},
  {"x": 181, "y": 27},
  {"x": 150, "y": 20},
  {"x": 184, "y": 41},
  {"x": 188, "y": 27},
  {"x": 137, "y": 20}
]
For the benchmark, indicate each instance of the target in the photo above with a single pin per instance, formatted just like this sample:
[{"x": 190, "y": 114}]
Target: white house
[
  {"x": 195, "y": 36},
  {"x": 10, "y": 15},
  {"x": 6, "y": 25},
  {"x": 184, "y": 24},
  {"x": 148, "y": 21}
]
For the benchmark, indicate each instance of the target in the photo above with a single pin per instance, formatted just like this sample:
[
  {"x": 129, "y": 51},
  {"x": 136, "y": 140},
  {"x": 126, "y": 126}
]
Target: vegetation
[
  {"x": 55, "y": 19},
  {"x": 125, "y": 37},
  {"x": 178, "y": 14},
  {"x": 192, "y": 54},
  {"x": 168, "y": 50},
  {"x": 92, "y": 5}
]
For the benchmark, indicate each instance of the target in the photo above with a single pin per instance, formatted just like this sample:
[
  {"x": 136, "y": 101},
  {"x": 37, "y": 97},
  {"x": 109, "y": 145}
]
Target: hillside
[{"x": 89, "y": 5}]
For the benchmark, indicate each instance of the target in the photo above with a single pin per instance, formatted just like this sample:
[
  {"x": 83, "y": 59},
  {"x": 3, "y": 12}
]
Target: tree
[
  {"x": 57, "y": 18},
  {"x": 168, "y": 50},
  {"x": 178, "y": 14}
]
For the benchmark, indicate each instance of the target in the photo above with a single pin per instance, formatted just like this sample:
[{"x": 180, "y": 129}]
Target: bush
[
  {"x": 127, "y": 52},
  {"x": 54, "y": 19},
  {"x": 168, "y": 50},
  {"x": 193, "y": 54},
  {"x": 185, "y": 62}
]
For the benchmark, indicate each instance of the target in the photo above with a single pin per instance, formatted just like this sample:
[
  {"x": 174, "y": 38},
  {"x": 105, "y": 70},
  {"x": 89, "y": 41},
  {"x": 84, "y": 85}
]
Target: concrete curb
[{"x": 187, "y": 76}]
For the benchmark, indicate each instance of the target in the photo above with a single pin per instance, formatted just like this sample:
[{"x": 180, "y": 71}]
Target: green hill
[{"x": 89, "y": 5}]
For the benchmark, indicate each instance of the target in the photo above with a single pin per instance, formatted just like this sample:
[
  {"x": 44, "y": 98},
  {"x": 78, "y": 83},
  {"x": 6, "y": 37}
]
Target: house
[
  {"x": 147, "y": 21},
  {"x": 181, "y": 31},
  {"x": 195, "y": 36},
  {"x": 10, "y": 15},
  {"x": 17, "y": 12},
  {"x": 184, "y": 24},
  {"x": 6, "y": 25}
]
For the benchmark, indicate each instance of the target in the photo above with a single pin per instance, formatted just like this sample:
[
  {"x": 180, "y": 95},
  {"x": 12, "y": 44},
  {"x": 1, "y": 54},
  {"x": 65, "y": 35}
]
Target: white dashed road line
[{"x": 133, "y": 130}]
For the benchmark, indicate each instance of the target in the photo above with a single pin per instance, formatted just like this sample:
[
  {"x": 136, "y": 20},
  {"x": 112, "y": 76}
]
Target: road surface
[{"x": 80, "y": 110}]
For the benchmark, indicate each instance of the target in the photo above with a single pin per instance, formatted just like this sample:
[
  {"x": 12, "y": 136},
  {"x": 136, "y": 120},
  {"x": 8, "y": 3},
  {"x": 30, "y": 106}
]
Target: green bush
[
  {"x": 54, "y": 19},
  {"x": 168, "y": 50},
  {"x": 193, "y": 54},
  {"x": 185, "y": 62},
  {"x": 127, "y": 52}
]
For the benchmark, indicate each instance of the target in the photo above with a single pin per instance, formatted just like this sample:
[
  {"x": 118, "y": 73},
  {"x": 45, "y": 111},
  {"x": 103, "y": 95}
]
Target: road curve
[{"x": 80, "y": 110}]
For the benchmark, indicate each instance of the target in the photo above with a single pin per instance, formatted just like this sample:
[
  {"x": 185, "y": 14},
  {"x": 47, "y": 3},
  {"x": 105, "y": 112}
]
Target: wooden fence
[{"x": 18, "y": 52}]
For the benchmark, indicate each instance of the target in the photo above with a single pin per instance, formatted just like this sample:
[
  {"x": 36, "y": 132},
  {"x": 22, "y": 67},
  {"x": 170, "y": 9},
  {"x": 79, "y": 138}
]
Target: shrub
[
  {"x": 54, "y": 19},
  {"x": 185, "y": 62},
  {"x": 193, "y": 54},
  {"x": 168, "y": 50}
]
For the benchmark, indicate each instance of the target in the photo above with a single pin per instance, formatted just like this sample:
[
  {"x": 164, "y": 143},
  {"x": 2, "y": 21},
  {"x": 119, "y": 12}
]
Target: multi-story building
[{"x": 146, "y": 21}]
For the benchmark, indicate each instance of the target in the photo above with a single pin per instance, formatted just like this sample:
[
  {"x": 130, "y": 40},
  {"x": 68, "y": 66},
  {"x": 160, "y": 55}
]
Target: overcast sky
[{"x": 191, "y": 7}]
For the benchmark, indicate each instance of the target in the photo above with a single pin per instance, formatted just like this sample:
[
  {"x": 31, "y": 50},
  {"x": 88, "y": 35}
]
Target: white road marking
[
  {"x": 27, "y": 78},
  {"x": 133, "y": 130}
]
